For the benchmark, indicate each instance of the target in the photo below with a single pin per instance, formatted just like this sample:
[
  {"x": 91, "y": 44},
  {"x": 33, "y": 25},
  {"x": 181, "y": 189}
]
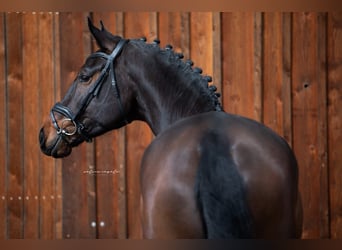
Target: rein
[{"x": 78, "y": 126}]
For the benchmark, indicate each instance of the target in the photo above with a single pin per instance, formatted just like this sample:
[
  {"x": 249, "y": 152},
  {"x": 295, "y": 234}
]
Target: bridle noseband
[{"x": 77, "y": 126}]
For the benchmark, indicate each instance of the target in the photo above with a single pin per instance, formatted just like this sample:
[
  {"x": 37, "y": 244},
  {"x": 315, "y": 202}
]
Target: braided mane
[{"x": 184, "y": 68}]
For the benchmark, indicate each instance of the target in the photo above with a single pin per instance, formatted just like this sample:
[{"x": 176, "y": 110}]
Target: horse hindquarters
[{"x": 220, "y": 191}]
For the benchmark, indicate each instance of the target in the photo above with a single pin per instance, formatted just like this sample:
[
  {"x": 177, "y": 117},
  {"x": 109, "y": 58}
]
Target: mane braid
[{"x": 195, "y": 79}]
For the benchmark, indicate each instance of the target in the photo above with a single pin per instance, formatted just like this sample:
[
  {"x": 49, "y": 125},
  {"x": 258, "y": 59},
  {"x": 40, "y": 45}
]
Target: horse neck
[
  {"x": 161, "y": 111},
  {"x": 165, "y": 94}
]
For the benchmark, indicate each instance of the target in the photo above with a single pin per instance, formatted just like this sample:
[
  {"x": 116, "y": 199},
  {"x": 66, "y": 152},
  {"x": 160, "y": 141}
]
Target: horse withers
[{"x": 207, "y": 173}]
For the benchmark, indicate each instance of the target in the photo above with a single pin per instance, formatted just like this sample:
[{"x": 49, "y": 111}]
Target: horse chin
[
  {"x": 58, "y": 149},
  {"x": 62, "y": 152}
]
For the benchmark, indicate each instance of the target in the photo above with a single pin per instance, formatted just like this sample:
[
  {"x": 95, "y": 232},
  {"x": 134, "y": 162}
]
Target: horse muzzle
[{"x": 55, "y": 147}]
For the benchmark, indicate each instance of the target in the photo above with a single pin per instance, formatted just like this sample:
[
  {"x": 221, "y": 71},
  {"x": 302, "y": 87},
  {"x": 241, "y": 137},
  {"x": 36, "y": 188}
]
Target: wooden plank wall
[
  {"x": 30, "y": 186},
  {"x": 282, "y": 69}
]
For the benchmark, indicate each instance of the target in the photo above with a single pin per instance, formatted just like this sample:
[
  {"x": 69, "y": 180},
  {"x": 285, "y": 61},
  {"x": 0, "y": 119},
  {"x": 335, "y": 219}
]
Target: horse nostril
[{"x": 41, "y": 137}]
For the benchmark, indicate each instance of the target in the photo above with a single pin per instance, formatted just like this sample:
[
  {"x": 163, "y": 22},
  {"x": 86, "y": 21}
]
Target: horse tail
[{"x": 220, "y": 191}]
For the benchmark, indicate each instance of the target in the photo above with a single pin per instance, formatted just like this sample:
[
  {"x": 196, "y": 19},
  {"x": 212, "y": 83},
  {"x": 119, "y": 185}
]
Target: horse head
[{"x": 96, "y": 102}]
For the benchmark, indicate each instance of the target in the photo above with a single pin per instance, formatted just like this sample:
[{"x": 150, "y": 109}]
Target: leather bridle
[{"x": 73, "y": 118}]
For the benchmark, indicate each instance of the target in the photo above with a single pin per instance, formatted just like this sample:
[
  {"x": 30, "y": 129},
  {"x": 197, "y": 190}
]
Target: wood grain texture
[
  {"x": 173, "y": 29},
  {"x": 31, "y": 117},
  {"x": 309, "y": 119},
  {"x": 322, "y": 125},
  {"x": 58, "y": 164},
  {"x": 15, "y": 125},
  {"x": 238, "y": 63},
  {"x": 335, "y": 121},
  {"x": 257, "y": 67},
  {"x": 217, "y": 52},
  {"x": 47, "y": 167},
  {"x": 201, "y": 41},
  {"x": 3, "y": 130},
  {"x": 286, "y": 79},
  {"x": 276, "y": 74}
]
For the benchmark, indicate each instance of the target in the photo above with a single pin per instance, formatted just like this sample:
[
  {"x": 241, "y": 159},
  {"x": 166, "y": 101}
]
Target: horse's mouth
[{"x": 57, "y": 149}]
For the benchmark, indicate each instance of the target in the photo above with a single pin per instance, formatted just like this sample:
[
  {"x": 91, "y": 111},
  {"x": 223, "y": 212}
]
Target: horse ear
[{"x": 103, "y": 37}]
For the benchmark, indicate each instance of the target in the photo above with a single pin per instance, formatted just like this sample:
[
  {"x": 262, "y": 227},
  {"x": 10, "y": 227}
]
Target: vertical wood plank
[
  {"x": 276, "y": 81},
  {"x": 173, "y": 28},
  {"x": 47, "y": 88},
  {"x": 287, "y": 86},
  {"x": 14, "y": 123},
  {"x": 273, "y": 70},
  {"x": 217, "y": 52},
  {"x": 136, "y": 25},
  {"x": 238, "y": 63},
  {"x": 257, "y": 66},
  {"x": 201, "y": 41},
  {"x": 78, "y": 193},
  {"x": 335, "y": 121},
  {"x": 31, "y": 119},
  {"x": 322, "y": 130},
  {"x": 3, "y": 131},
  {"x": 110, "y": 156},
  {"x": 309, "y": 119},
  {"x": 58, "y": 164}
]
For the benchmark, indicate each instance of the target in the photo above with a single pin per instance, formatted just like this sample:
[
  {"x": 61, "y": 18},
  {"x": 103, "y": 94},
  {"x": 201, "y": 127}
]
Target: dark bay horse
[{"x": 207, "y": 174}]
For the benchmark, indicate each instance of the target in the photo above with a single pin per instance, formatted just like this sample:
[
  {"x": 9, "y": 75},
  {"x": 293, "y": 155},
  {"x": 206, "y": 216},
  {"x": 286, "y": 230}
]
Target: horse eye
[{"x": 84, "y": 78}]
